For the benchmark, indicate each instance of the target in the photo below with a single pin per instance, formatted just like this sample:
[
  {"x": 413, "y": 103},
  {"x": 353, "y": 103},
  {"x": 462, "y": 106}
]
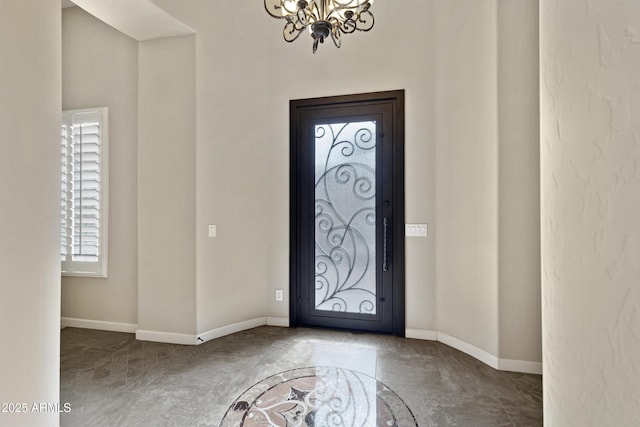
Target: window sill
[{"x": 87, "y": 275}]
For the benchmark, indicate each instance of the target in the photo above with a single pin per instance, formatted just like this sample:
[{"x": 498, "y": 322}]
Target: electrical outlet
[
  {"x": 212, "y": 230},
  {"x": 279, "y": 295}
]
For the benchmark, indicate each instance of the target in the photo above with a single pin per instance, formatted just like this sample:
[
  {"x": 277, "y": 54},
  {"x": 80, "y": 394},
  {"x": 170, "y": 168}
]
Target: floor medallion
[{"x": 319, "y": 397}]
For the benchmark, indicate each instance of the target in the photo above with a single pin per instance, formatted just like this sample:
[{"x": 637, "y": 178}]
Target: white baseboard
[
  {"x": 167, "y": 337},
  {"x": 231, "y": 329},
  {"x": 282, "y": 322},
  {"x": 173, "y": 337},
  {"x": 97, "y": 324},
  {"x": 471, "y": 350},
  {"x": 420, "y": 334},
  {"x": 523, "y": 366}
]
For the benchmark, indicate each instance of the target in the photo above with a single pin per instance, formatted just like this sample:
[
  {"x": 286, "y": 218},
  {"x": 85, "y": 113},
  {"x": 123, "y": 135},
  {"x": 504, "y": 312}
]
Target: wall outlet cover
[{"x": 415, "y": 230}]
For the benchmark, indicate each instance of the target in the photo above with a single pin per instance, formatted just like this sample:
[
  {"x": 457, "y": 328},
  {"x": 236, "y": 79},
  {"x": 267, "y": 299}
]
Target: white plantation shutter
[{"x": 84, "y": 208}]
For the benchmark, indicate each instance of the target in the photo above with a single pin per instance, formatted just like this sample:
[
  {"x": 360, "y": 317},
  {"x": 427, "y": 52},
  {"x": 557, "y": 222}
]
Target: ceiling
[{"x": 139, "y": 19}]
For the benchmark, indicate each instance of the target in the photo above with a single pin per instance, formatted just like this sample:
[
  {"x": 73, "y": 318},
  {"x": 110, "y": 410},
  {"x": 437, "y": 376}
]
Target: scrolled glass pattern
[{"x": 345, "y": 217}]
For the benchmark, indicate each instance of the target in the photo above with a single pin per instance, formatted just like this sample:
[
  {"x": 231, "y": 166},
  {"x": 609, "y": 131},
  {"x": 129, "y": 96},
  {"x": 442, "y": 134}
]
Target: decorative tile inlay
[{"x": 318, "y": 397}]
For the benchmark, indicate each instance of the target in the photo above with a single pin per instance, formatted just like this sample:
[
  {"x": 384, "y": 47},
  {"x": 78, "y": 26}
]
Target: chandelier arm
[
  {"x": 349, "y": 3},
  {"x": 357, "y": 9},
  {"x": 335, "y": 36},
  {"x": 301, "y": 15},
  {"x": 291, "y": 31},
  {"x": 348, "y": 26},
  {"x": 314, "y": 12},
  {"x": 273, "y": 8},
  {"x": 367, "y": 20}
]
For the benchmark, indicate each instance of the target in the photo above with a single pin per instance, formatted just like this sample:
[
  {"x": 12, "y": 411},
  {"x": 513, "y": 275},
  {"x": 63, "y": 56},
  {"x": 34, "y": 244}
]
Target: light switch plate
[
  {"x": 415, "y": 230},
  {"x": 212, "y": 231}
]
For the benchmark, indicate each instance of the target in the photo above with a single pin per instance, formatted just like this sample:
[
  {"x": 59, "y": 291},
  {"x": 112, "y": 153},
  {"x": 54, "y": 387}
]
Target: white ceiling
[{"x": 139, "y": 19}]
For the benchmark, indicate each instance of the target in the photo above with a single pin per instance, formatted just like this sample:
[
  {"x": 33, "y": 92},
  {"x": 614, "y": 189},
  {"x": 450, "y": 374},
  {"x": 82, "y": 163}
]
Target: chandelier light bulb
[{"x": 324, "y": 18}]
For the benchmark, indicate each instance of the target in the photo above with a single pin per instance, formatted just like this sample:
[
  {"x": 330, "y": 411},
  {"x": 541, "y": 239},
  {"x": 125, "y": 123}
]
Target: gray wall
[
  {"x": 100, "y": 68},
  {"x": 166, "y": 186},
  {"x": 518, "y": 180}
]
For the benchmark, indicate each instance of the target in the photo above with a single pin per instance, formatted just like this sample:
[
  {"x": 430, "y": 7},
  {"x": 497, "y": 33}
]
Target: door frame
[{"x": 296, "y": 107}]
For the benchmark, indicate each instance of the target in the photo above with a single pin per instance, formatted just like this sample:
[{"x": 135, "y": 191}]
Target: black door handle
[{"x": 386, "y": 237}]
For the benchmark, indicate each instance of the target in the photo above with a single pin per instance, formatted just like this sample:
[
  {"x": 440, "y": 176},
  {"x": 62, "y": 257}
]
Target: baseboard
[
  {"x": 282, "y": 322},
  {"x": 523, "y": 366},
  {"x": 470, "y": 349},
  {"x": 231, "y": 329},
  {"x": 97, "y": 324},
  {"x": 420, "y": 334},
  {"x": 173, "y": 337},
  {"x": 167, "y": 337}
]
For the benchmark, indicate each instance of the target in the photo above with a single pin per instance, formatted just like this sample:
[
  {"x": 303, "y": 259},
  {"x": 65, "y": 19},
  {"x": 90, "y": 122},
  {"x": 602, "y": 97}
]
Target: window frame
[{"x": 98, "y": 269}]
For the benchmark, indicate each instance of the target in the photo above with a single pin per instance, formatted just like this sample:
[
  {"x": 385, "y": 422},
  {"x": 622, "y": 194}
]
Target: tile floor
[{"x": 110, "y": 379}]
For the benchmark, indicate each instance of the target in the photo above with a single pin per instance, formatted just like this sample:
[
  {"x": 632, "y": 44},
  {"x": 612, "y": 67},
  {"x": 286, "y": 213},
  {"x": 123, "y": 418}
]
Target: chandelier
[{"x": 324, "y": 18}]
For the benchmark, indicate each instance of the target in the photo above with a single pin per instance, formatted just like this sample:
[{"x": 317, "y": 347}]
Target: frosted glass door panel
[{"x": 345, "y": 217}]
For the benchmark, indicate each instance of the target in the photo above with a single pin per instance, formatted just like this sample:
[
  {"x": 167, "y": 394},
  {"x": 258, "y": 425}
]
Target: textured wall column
[
  {"x": 590, "y": 166},
  {"x": 30, "y": 114}
]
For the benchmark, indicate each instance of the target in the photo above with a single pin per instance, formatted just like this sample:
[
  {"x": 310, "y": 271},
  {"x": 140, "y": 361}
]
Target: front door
[{"x": 348, "y": 212}]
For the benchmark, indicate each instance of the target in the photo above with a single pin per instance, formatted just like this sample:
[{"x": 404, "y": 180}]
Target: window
[{"x": 84, "y": 185}]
